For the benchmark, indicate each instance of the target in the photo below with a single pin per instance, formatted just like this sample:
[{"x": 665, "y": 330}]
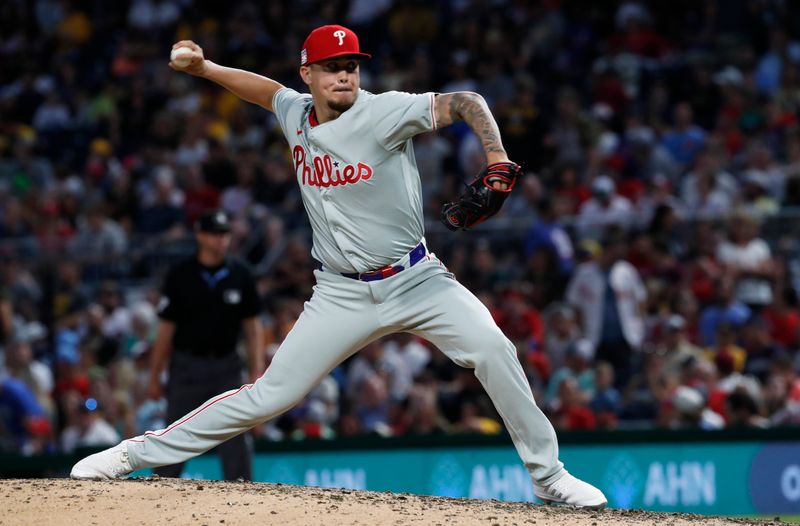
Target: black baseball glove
[{"x": 480, "y": 200}]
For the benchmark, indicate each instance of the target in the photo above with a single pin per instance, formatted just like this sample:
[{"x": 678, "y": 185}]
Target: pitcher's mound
[{"x": 175, "y": 501}]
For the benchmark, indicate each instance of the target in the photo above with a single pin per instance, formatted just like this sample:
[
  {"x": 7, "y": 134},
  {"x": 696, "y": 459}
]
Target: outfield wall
[{"x": 723, "y": 473}]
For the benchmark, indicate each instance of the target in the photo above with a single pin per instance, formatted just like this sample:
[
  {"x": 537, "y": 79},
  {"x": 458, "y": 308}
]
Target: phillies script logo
[{"x": 326, "y": 172}]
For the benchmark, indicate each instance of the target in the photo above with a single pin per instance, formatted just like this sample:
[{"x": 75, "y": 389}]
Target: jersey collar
[{"x": 312, "y": 115}]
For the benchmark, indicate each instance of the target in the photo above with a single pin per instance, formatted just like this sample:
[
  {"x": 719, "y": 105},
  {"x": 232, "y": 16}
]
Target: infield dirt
[{"x": 174, "y": 501}]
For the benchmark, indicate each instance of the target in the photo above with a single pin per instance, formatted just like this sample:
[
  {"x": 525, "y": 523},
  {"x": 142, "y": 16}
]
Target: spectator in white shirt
[
  {"x": 748, "y": 259},
  {"x": 98, "y": 235},
  {"x": 561, "y": 332},
  {"x": 691, "y": 411},
  {"x": 410, "y": 350},
  {"x": 610, "y": 298},
  {"x": 52, "y": 115},
  {"x": 90, "y": 430},
  {"x": 604, "y": 209},
  {"x": 708, "y": 190},
  {"x": 756, "y": 198},
  {"x": 22, "y": 365}
]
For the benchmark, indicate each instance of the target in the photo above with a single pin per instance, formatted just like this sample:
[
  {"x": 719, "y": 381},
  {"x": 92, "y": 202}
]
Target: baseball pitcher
[{"x": 354, "y": 161}]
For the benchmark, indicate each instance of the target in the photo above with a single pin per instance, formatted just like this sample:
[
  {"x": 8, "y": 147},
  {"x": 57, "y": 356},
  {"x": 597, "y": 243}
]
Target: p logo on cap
[
  {"x": 340, "y": 35},
  {"x": 328, "y": 42}
]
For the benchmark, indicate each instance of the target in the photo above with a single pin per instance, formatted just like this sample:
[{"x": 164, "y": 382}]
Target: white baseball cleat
[
  {"x": 111, "y": 463},
  {"x": 572, "y": 491}
]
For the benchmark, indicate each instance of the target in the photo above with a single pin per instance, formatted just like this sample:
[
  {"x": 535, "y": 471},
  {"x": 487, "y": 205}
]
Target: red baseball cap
[{"x": 329, "y": 42}]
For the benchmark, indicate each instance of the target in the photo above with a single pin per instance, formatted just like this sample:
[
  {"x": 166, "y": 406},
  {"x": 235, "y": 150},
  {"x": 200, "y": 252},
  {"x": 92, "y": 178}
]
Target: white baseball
[{"x": 181, "y": 56}]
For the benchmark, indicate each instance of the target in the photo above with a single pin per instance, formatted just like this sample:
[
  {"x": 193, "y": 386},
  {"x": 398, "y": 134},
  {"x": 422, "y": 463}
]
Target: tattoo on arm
[{"x": 472, "y": 109}]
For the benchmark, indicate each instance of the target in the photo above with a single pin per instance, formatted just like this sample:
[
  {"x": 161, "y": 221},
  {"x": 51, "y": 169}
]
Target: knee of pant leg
[
  {"x": 488, "y": 347},
  {"x": 270, "y": 397}
]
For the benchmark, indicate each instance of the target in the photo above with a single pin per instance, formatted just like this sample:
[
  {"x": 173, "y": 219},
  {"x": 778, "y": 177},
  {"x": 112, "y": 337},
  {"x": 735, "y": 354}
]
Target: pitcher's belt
[{"x": 416, "y": 255}]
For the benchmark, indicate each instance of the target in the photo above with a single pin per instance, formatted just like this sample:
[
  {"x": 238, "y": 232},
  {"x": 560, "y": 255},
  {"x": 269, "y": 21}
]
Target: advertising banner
[{"x": 706, "y": 478}]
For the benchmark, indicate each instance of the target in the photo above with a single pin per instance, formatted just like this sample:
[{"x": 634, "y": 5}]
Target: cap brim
[{"x": 337, "y": 55}]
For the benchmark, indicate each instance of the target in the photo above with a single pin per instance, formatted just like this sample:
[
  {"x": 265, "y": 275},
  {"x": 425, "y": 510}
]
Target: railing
[
  {"x": 16, "y": 465},
  {"x": 149, "y": 256}
]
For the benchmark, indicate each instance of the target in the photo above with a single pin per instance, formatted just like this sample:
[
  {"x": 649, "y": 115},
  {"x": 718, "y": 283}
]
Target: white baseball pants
[{"x": 342, "y": 316}]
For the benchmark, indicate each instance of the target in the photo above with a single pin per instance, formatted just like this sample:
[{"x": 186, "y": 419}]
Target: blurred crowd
[{"x": 647, "y": 266}]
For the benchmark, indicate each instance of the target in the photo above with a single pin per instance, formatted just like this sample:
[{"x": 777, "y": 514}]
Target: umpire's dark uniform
[{"x": 207, "y": 306}]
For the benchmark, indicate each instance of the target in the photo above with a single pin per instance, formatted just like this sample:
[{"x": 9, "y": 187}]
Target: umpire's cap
[{"x": 215, "y": 221}]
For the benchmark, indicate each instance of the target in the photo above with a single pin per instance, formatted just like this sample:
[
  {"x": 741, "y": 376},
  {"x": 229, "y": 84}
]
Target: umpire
[{"x": 206, "y": 302}]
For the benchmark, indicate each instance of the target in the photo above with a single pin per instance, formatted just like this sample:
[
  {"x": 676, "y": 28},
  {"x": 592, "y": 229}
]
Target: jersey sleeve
[
  {"x": 284, "y": 100},
  {"x": 168, "y": 306},
  {"x": 398, "y": 116}
]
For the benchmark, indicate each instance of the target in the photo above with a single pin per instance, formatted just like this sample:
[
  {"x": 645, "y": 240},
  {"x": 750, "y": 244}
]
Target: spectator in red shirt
[
  {"x": 519, "y": 320},
  {"x": 635, "y": 33},
  {"x": 783, "y": 319},
  {"x": 572, "y": 413},
  {"x": 199, "y": 195},
  {"x": 570, "y": 188}
]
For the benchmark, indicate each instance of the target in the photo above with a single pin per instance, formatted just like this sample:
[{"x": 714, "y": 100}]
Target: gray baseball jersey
[{"x": 358, "y": 175}]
